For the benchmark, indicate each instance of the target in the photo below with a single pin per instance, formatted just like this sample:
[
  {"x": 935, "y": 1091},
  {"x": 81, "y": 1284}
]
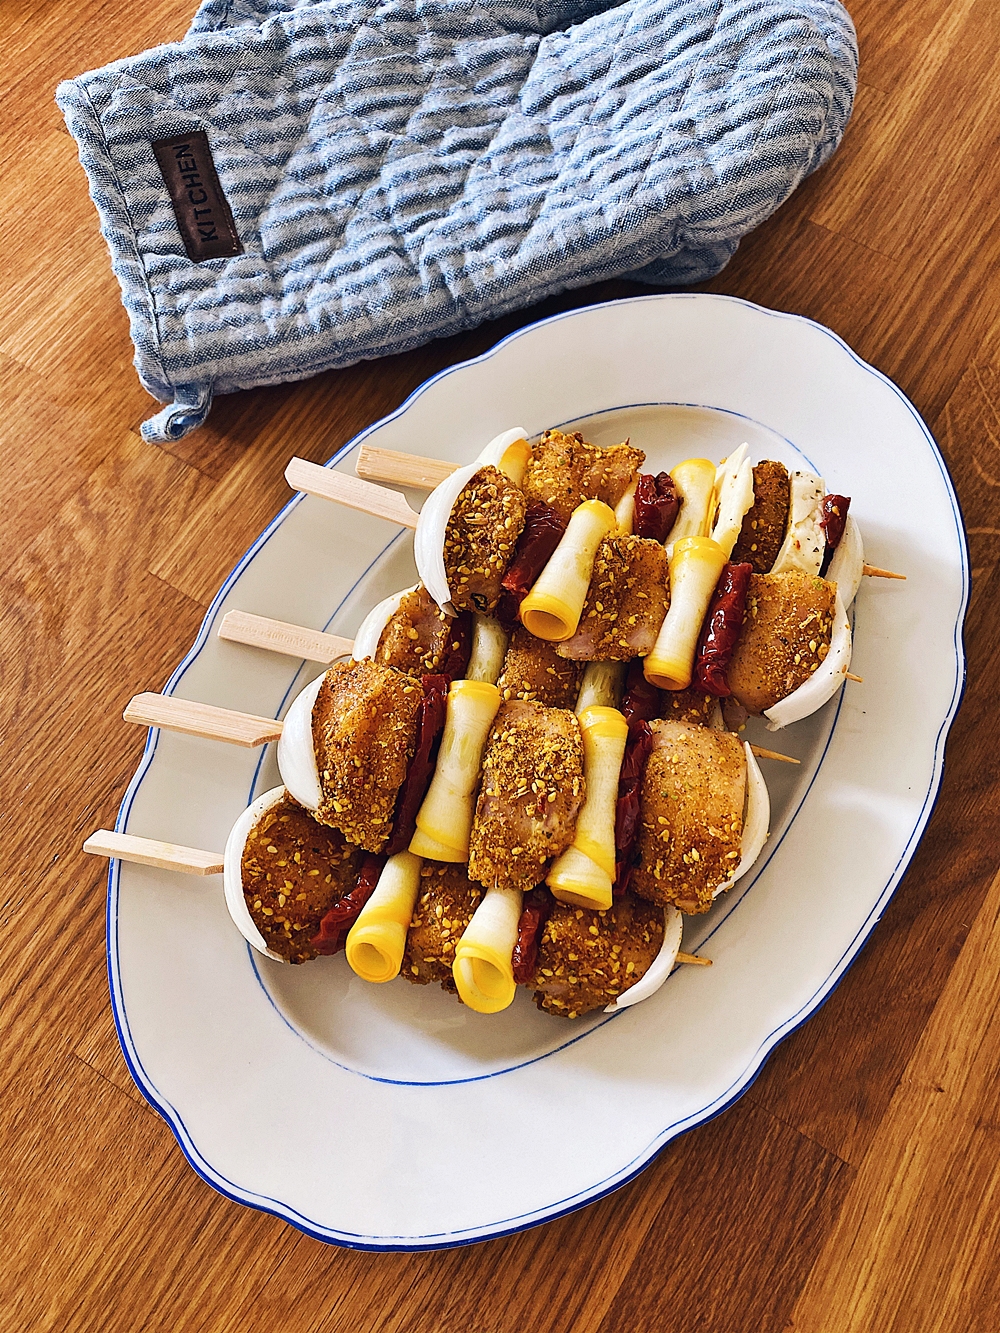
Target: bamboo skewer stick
[
  {"x": 761, "y": 753},
  {"x": 423, "y": 474},
  {"x": 849, "y": 675},
  {"x": 302, "y": 475},
  {"x": 693, "y": 958},
  {"x": 205, "y": 720},
  {"x": 149, "y": 852},
  {"x": 874, "y": 572},
  {"x": 279, "y": 637}
]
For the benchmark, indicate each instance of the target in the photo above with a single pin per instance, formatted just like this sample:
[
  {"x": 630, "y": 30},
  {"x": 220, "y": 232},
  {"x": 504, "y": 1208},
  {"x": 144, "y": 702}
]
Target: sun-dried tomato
[
  {"x": 535, "y": 911},
  {"x": 640, "y": 701},
  {"x": 834, "y": 509},
  {"x": 638, "y": 748},
  {"x": 541, "y": 534},
  {"x": 721, "y": 629},
  {"x": 656, "y": 506},
  {"x": 456, "y": 660},
  {"x": 430, "y": 724},
  {"x": 342, "y": 915}
]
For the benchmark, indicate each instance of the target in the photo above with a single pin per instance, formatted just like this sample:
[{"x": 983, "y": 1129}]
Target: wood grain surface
[{"x": 855, "y": 1187}]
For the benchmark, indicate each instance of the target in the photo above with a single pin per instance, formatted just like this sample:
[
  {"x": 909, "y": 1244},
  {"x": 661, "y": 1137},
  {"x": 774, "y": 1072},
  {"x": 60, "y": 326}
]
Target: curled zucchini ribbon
[
  {"x": 376, "y": 941},
  {"x": 584, "y": 874},
  {"x": 482, "y": 969}
]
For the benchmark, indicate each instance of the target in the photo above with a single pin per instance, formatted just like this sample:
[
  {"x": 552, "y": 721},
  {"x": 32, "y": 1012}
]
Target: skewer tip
[
  {"x": 874, "y": 572},
  {"x": 693, "y": 958}
]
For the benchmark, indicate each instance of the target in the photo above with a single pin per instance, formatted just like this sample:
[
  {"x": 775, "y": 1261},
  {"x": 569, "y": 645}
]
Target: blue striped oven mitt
[{"x": 302, "y": 184}]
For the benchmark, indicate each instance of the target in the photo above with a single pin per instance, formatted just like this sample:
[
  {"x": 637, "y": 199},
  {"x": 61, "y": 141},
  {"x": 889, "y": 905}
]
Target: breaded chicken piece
[
  {"x": 786, "y": 635},
  {"x": 691, "y": 827},
  {"x": 364, "y": 727},
  {"x": 564, "y": 470},
  {"x": 587, "y": 959},
  {"x": 765, "y": 522},
  {"x": 531, "y": 792},
  {"x": 689, "y": 705},
  {"x": 483, "y": 528},
  {"x": 293, "y": 872},
  {"x": 626, "y": 602},
  {"x": 533, "y": 669},
  {"x": 444, "y": 907},
  {"x": 418, "y": 637}
]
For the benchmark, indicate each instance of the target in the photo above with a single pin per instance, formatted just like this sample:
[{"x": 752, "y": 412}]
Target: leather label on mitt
[{"x": 201, "y": 209}]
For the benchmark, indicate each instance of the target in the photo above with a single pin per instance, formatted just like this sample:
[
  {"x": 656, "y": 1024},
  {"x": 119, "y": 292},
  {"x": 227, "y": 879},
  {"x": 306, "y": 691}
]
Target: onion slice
[
  {"x": 370, "y": 631},
  {"x": 756, "y": 824},
  {"x": 847, "y": 566},
  {"x": 296, "y": 753},
  {"x": 661, "y": 966},
  {"x": 824, "y": 682},
  {"x": 232, "y": 876}
]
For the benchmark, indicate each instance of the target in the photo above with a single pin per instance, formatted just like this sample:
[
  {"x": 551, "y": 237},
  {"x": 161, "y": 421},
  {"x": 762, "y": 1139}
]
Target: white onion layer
[
  {"x": 233, "y": 871},
  {"x": 847, "y": 566},
  {"x": 296, "y": 755},
  {"x": 494, "y": 452},
  {"x": 370, "y": 630},
  {"x": 824, "y": 682},
  {"x": 756, "y": 823},
  {"x": 661, "y": 966}
]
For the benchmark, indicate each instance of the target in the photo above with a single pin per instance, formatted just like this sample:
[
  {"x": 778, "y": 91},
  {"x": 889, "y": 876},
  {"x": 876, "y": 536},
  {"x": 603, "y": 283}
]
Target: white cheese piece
[{"x": 805, "y": 541}]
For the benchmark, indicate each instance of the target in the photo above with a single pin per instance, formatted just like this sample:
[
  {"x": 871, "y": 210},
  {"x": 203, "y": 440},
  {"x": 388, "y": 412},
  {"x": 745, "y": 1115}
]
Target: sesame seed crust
[
  {"x": 364, "y": 727},
  {"x": 626, "y": 602},
  {"x": 445, "y": 905},
  {"x": 532, "y": 669},
  {"x": 293, "y": 871},
  {"x": 417, "y": 637},
  {"x": 531, "y": 791},
  {"x": 483, "y": 528},
  {"x": 564, "y": 470},
  {"x": 786, "y": 635},
  {"x": 587, "y": 959},
  {"x": 693, "y": 792},
  {"x": 765, "y": 522}
]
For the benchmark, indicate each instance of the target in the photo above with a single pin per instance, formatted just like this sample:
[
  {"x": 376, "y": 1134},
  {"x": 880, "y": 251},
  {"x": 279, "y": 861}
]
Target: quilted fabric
[{"x": 402, "y": 169}]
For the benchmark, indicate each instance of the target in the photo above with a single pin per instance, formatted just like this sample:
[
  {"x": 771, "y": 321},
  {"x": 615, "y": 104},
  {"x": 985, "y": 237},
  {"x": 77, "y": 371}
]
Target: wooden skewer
[
  {"x": 278, "y": 637},
  {"x": 761, "y": 753},
  {"x": 693, "y": 958},
  {"x": 849, "y": 675},
  {"x": 874, "y": 572},
  {"x": 194, "y": 719},
  {"x": 302, "y": 475},
  {"x": 149, "y": 852},
  {"x": 423, "y": 474}
]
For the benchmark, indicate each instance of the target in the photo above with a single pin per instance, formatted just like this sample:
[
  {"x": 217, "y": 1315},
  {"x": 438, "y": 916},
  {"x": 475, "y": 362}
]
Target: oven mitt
[{"x": 300, "y": 186}]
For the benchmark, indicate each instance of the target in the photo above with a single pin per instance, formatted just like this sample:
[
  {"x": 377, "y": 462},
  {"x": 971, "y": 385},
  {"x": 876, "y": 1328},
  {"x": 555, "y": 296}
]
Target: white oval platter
[{"x": 389, "y": 1117}]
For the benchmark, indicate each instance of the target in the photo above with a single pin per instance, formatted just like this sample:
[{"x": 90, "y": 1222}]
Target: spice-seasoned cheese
[
  {"x": 786, "y": 635},
  {"x": 584, "y": 873},
  {"x": 376, "y": 941},
  {"x": 552, "y": 608},
  {"x": 692, "y": 799},
  {"x": 364, "y": 728},
  {"x": 695, "y": 566},
  {"x": 444, "y": 820}
]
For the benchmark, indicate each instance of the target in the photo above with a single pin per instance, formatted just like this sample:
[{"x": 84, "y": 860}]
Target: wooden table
[{"x": 855, "y": 1186}]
